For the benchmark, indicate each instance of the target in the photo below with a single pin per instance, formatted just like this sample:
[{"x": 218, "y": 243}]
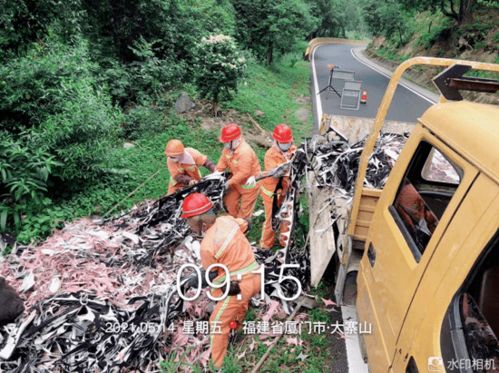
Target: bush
[
  {"x": 24, "y": 171},
  {"x": 51, "y": 94},
  {"x": 220, "y": 65},
  {"x": 150, "y": 75},
  {"x": 38, "y": 224},
  {"x": 23, "y": 22},
  {"x": 475, "y": 34},
  {"x": 80, "y": 134},
  {"x": 57, "y": 126},
  {"x": 142, "y": 120},
  {"x": 438, "y": 32}
]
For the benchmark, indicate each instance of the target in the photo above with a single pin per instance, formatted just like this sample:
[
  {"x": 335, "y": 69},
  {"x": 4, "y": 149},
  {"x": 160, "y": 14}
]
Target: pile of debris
[
  {"x": 102, "y": 295},
  {"x": 336, "y": 163}
]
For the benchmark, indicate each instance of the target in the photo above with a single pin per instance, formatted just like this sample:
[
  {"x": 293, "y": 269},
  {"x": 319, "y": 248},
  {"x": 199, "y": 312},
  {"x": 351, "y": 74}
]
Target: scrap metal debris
[
  {"x": 101, "y": 295},
  {"x": 336, "y": 163}
]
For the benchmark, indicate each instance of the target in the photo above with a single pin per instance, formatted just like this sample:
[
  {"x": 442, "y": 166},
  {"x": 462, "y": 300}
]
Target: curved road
[{"x": 407, "y": 105}]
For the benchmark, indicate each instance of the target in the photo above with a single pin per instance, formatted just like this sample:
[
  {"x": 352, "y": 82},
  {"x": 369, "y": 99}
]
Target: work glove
[
  {"x": 234, "y": 288},
  {"x": 193, "y": 280},
  {"x": 227, "y": 185},
  {"x": 279, "y": 173},
  {"x": 251, "y": 182}
]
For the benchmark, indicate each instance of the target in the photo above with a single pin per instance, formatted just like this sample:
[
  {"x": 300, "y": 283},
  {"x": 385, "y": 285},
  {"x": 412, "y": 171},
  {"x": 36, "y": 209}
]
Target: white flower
[{"x": 212, "y": 39}]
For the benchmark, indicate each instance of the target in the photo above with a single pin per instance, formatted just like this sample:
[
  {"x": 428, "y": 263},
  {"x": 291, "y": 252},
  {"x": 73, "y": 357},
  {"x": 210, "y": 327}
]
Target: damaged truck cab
[
  {"x": 427, "y": 273},
  {"x": 428, "y": 280}
]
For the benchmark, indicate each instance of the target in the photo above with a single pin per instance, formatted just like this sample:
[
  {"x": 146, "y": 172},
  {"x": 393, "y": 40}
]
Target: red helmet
[
  {"x": 195, "y": 204},
  {"x": 174, "y": 148},
  {"x": 229, "y": 132},
  {"x": 282, "y": 133}
]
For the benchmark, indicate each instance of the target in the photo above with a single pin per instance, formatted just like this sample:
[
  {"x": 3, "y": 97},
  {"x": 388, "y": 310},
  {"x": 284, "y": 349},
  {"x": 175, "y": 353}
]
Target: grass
[
  {"x": 274, "y": 90},
  {"x": 285, "y": 357},
  {"x": 390, "y": 54}
]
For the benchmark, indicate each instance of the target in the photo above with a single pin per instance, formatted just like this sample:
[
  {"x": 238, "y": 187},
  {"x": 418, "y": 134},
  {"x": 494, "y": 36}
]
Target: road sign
[
  {"x": 343, "y": 74},
  {"x": 350, "y": 96}
]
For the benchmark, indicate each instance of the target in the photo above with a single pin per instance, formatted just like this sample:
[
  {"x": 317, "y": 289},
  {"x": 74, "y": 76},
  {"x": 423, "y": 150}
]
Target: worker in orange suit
[
  {"x": 183, "y": 165},
  {"x": 223, "y": 242},
  {"x": 276, "y": 185},
  {"x": 241, "y": 160},
  {"x": 420, "y": 220}
]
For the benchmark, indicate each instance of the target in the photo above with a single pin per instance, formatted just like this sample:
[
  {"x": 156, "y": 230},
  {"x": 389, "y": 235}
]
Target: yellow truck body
[
  {"x": 404, "y": 293},
  {"x": 429, "y": 269},
  {"x": 422, "y": 283}
]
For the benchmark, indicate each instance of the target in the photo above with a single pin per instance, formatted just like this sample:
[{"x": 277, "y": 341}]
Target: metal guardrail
[{"x": 312, "y": 44}]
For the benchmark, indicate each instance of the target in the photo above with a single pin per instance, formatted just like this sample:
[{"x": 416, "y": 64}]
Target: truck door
[
  {"x": 453, "y": 321},
  {"x": 420, "y": 198}
]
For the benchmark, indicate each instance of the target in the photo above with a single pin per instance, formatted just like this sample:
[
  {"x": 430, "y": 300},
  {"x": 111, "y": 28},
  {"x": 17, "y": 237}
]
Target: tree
[
  {"x": 220, "y": 65},
  {"x": 392, "y": 19},
  {"x": 460, "y": 14},
  {"x": 458, "y": 10},
  {"x": 387, "y": 17},
  {"x": 176, "y": 25},
  {"x": 25, "y": 21},
  {"x": 372, "y": 17},
  {"x": 266, "y": 26},
  {"x": 331, "y": 18}
]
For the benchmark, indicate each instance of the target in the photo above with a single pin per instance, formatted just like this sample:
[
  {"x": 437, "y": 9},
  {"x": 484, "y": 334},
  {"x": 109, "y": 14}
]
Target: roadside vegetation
[
  {"x": 87, "y": 93},
  {"x": 442, "y": 28},
  {"x": 460, "y": 29}
]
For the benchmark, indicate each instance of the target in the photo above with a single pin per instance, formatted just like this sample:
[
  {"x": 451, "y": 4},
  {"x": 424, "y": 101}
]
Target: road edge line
[
  {"x": 318, "y": 103},
  {"x": 354, "y": 354},
  {"x": 373, "y": 66}
]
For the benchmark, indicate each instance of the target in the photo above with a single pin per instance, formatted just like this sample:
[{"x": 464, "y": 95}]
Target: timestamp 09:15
[{"x": 224, "y": 282}]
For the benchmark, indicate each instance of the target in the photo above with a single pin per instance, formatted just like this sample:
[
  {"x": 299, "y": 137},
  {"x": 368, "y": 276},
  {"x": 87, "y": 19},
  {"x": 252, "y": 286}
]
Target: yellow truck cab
[
  {"x": 425, "y": 290},
  {"x": 428, "y": 280},
  {"x": 427, "y": 244}
]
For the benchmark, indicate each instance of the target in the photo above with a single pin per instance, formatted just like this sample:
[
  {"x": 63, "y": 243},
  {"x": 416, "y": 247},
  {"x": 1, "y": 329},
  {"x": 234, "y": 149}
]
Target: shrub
[
  {"x": 80, "y": 134},
  {"x": 220, "y": 65},
  {"x": 475, "y": 34},
  {"x": 142, "y": 120},
  {"x": 150, "y": 75},
  {"x": 52, "y": 96},
  {"x": 440, "y": 31},
  {"x": 24, "y": 171},
  {"x": 36, "y": 225}
]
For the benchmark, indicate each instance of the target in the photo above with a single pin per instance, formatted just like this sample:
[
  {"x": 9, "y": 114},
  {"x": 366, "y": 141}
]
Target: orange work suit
[
  {"x": 412, "y": 208},
  {"x": 273, "y": 158},
  {"x": 225, "y": 243},
  {"x": 240, "y": 199},
  {"x": 194, "y": 159}
]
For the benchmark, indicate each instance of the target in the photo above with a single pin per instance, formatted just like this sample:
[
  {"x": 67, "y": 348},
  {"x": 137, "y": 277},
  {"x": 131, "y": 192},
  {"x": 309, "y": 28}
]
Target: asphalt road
[{"x": 407, "y": 105}]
